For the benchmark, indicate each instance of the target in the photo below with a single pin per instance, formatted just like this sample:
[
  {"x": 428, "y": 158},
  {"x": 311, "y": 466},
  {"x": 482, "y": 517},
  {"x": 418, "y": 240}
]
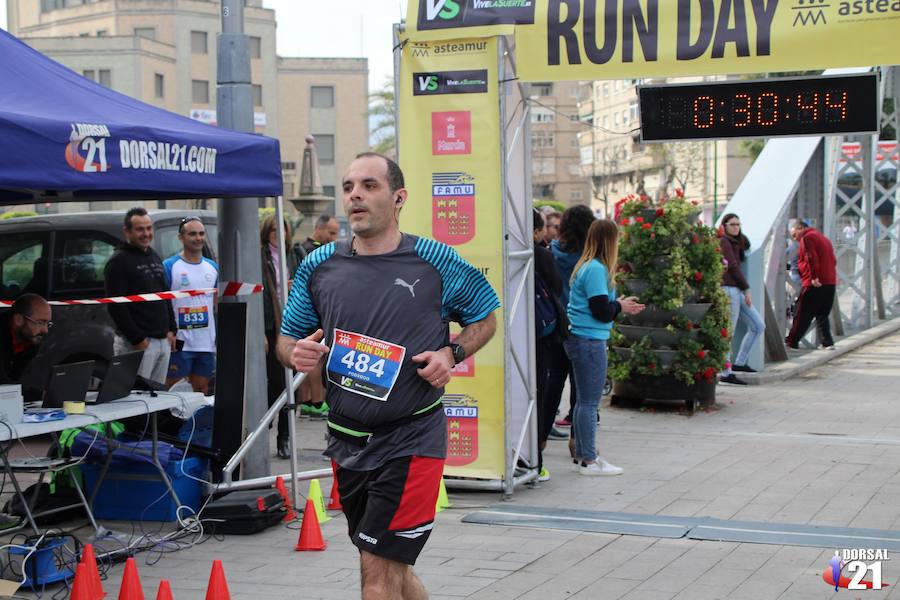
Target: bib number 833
[{"x": 361, "y": 363}]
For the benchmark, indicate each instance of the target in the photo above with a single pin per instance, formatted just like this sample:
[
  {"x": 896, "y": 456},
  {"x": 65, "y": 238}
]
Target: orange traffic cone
[
  {"x": 88, "y": 558},
  {"x": 131, "y": 583},
  {"x": 310, "y": 534},
  {"x": 334, "y": 502},
  {"x": 81, "y": 587},
  {"x": 218, "y": 587},
  {"x": 164, "y": 592},
  {"x": 290, "y": 515}
]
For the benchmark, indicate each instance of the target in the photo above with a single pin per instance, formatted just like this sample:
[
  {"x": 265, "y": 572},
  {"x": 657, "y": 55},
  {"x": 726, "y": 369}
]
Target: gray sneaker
[{"x": 556, "y": 434}]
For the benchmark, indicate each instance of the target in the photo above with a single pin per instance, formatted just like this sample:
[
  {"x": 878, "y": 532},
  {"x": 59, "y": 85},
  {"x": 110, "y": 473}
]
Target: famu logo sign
[
  {"x": 450, "y": 82},
  {"x": 448, "y": 14}
]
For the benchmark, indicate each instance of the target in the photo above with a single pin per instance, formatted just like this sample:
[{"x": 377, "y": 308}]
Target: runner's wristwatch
[{"x": 459, "y": 353}]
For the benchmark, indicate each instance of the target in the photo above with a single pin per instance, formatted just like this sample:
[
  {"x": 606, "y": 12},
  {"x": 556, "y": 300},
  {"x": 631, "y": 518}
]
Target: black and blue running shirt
[{"x": 377, "y": 312}]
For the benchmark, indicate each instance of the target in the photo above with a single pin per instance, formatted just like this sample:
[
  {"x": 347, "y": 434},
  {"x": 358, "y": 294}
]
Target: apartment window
[
  {"x": 543, "y": 139},
  {"x": 90, "y": 74},
  {"x": 605, "y": 88},
  {"x": 604, "y": 121},
  {"x": 573, "y": 143},
  {"x": 544, "y": 166},
  {"x": 541, "y": 114},
  {"x": 256, "y": 90},
  {"x": 159, "y": 84},
  {"x": 576, "y": 195},
  {"x": 587, "y": 155},
  {"x": 200, "y": 91},
  {"x": 325, "y": 148},
  {"x": 616, "y": 119},
  {"x": 625, "y": 117},
  {"x": 633, "y": 110},
  {"x": 541, "y": 89},
  {"x": 321, "y": 96},
  {"x": 198, "y": 42},
  {"x": 145, "y": 32},
  {"x": 101, "y": 32},
  {"x": 255, "y": 47},
  {"x": 328, "y": 190},
  {"x": 104, "y": 77},
  {"x": 288, "y": 166}
]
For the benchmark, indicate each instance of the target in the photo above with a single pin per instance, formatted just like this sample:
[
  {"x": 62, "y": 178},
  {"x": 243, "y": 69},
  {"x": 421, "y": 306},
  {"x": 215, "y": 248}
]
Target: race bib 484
[{"x": 364, "y": 365}]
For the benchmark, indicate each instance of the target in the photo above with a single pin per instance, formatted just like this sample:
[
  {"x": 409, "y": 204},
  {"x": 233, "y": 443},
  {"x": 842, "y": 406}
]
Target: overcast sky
[{"x": 342, "y": 28}]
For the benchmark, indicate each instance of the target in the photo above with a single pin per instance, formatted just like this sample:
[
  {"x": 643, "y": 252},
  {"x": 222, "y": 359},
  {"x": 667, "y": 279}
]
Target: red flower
[
  {"x": 689, "y": 326},
  {"x": 652, "y": 235},
  {"x": 698, "y": 276},
  {"x": 639, "y": 219},
  {"x": 701, "y": 354},
  {"x": 680, "y": 193},
  {"x": 724, "y": 332},
  {"x": 647, "y": 225},
  {"x": 626, "y": 221},
  {"x": 709, "y": 373},
  {"x": 652, "y": 366},
  {"x": 698, "y": 376},
  {"x": 695, "y": 239},
  {"x": 660, "y": 212}
]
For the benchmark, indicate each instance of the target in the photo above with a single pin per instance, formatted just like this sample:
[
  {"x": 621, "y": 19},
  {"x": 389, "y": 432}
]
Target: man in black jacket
[
  {"x": 22, "y": 328},
  {"x": 136, "y": 268}
]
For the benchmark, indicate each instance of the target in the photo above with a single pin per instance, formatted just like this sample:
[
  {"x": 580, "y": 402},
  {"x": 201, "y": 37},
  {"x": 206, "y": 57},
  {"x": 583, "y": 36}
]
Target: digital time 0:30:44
[{"x": 801, "y": 106}]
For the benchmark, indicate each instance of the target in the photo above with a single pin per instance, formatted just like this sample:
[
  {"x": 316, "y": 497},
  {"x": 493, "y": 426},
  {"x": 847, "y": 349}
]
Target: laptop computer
[
  {"x": 68, "y": 383},
  {"x": 119, "y": 379}
]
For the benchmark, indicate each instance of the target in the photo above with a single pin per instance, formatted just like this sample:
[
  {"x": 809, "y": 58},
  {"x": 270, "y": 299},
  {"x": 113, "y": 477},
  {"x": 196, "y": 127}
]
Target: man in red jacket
[{"x": 818, "y": 272}]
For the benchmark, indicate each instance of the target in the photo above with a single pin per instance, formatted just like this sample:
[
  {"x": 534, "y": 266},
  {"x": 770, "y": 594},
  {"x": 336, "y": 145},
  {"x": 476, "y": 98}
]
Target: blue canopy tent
[{"x": 65, "y": 137}]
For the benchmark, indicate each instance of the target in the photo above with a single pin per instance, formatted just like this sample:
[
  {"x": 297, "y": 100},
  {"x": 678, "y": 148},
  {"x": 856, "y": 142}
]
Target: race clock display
[{"x": 761, "y": 108}]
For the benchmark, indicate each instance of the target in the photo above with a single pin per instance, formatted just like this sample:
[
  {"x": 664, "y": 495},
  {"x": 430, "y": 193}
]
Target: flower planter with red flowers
[{"x": 674, "y": 349}]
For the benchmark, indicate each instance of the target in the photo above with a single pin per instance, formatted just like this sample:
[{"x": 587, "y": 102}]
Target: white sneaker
[{"x": 599, "y": 468}]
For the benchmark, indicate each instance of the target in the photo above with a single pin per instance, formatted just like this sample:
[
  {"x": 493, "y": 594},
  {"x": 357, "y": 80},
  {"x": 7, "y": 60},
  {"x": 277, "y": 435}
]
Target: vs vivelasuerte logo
[
  {"x": 447, "y": 14},
  {"x": 450, "y": 82}
]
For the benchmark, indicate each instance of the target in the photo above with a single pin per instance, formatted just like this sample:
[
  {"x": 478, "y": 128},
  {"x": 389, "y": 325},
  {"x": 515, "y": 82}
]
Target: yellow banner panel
[
  {"x": 617, "y": 39},
  {"x": 450, "y": 154}
]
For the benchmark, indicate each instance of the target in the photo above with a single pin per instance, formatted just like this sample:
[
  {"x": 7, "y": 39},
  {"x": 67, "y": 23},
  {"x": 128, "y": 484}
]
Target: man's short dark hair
[
  {"x": 323, "y": 221},
  {"x": 24, "y": 304},
  {"x": 137, "y": 211},
  {"x": 394, "y": 174}
]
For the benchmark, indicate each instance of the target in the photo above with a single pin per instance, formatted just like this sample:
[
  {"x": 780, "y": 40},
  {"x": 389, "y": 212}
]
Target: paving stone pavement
[{"x": 822, "y": 448}]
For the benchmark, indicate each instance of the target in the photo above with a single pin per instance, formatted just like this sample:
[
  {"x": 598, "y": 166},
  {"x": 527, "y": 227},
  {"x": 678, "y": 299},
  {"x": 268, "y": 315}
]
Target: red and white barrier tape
[{"x": 231, "y": 288}]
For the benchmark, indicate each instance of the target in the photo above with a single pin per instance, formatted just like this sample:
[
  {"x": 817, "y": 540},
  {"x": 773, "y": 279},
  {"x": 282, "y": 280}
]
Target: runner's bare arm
[
  {"x": 475, "y": 335},
  {"x": 303, "y": 355}
]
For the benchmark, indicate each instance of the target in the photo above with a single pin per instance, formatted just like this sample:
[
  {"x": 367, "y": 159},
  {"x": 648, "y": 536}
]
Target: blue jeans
[
  {"x": 588, "y": 359},
  {"x": 751, "y": 320}
]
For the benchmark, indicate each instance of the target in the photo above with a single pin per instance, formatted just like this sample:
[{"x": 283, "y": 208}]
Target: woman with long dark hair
[
  {"x": 271, "y": 272},
  {"x": 592, "y": 309},
  {"x": 734, "y": 245}
]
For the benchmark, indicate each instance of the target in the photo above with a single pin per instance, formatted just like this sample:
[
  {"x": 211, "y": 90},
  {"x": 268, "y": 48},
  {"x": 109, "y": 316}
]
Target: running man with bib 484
[{"x": 376, "y": 309}]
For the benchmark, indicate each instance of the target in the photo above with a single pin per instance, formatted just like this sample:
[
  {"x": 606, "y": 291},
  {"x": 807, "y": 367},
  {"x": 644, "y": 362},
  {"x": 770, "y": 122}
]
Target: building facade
[
  {"x": 163, "y": 52},
  {"x": 555, "y": 170}
]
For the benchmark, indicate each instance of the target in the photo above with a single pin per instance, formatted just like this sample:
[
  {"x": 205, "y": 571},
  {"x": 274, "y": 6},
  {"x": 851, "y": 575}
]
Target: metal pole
[
  {"x": 239, "y": 220},
  {"x": 288, "y": 374}
]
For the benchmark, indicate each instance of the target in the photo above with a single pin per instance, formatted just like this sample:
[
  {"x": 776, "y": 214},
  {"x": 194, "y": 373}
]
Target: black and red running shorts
[{"x": 390, "y": 510}]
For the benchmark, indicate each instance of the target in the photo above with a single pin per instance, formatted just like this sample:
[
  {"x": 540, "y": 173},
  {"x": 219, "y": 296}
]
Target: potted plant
[{"x": 676, "y": 347}]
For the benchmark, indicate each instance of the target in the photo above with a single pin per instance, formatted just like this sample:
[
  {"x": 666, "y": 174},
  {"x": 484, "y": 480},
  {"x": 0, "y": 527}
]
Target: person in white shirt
[{"x": 195, "y": 355}]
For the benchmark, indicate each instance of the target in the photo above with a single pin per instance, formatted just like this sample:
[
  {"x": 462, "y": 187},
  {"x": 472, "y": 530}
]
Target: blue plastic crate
[{"x": 138, "y": 494}]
